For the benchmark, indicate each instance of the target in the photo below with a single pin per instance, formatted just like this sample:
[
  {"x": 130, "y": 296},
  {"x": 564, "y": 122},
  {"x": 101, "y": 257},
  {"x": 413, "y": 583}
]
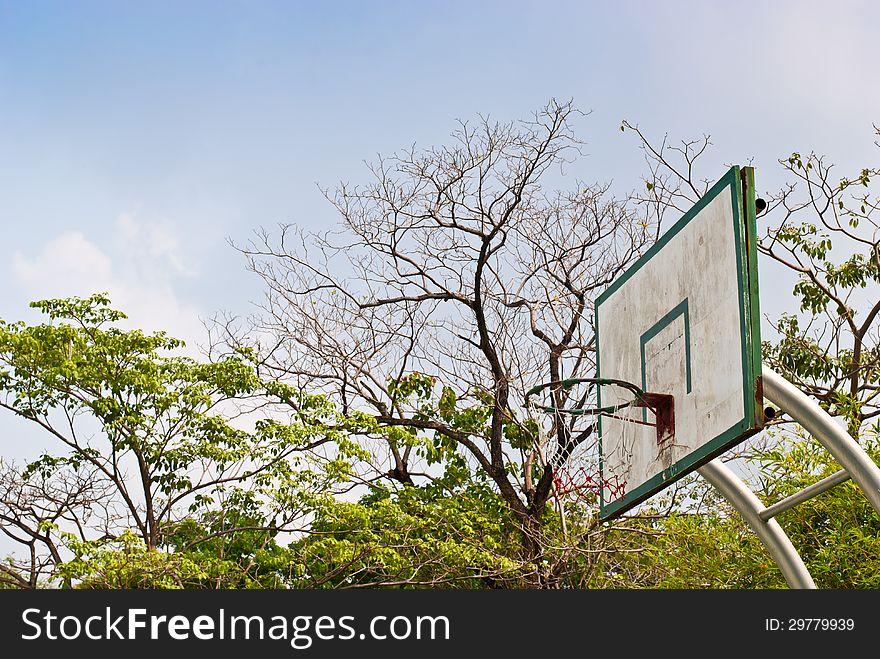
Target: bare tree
[
  {"x": 36, "y": 507},
  {"x": 456, "y": 282}
]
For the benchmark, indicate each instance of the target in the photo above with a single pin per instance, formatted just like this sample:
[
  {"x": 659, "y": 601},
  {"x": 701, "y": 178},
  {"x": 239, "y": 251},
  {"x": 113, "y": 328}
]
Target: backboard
[{"x": 683, "y": 320}]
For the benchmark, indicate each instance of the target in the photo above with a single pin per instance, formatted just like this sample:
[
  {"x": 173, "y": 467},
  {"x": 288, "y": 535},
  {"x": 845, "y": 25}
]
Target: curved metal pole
[
  {"x": 821, "y": 425},
  {"x": 771, "y": 534}
]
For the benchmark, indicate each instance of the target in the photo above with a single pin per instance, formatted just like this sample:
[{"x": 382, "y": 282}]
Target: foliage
[
  {"x": 418, "y": 537},
  {"x": 157, "y": 433},
  {"x": 837, "y": 533},
  {"x": 126, "y": 562},
  {"x": 232, "y": 547}
]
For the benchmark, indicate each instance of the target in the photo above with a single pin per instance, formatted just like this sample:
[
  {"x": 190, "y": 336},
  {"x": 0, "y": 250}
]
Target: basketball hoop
[
  {"x": 661, "y": 405},
  {"x": 587, "y": 484}
]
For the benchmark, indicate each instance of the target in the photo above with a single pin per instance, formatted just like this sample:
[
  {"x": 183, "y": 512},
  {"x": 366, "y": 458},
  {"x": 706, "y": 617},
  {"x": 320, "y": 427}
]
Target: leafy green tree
[
  {"x": 836, "y": 533},
  {"x": 154, "y": 432},
  {"x": 232, "y": 547},
  {"x": 458, "y": 532},
  {"x": 418, "y": 537},
  {"x": 828, "y": 233}
]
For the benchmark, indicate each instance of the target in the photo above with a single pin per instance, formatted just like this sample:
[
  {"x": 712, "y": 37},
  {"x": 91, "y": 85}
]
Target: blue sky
[{"x": 136, "y": 139}]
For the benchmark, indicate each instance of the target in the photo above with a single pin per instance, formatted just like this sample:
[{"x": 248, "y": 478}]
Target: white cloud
[
  {"x": 139, "y": 275},
  {"x": 67, "y": 264},
  {"x": 148, "y": 243}
]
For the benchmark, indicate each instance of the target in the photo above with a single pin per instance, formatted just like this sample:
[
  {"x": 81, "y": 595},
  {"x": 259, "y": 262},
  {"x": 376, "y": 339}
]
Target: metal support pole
[
  {"x": 821, "y": 425},
  {"x": 771, "y": 534},
  {"x": 818, "y": 487}
]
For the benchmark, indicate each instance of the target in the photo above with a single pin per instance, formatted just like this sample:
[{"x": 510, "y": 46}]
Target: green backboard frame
[{"x": 739, "y": 184}]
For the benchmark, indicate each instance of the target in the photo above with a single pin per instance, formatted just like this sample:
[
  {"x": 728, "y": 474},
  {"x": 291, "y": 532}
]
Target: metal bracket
[{"x": 663, "y": 407}]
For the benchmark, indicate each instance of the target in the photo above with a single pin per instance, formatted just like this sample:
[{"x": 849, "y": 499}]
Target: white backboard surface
[{"x": 683, "y": 321}]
